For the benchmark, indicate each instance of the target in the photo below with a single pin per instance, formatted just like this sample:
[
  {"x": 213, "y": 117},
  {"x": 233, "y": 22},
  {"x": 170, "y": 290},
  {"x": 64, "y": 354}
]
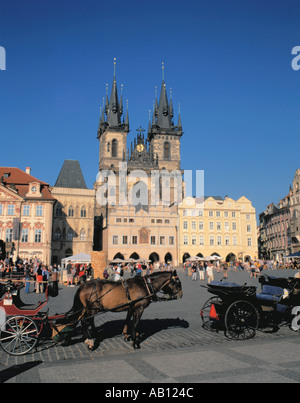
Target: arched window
[
  {"x": 167, "y": 150},
  {"x": 70, "y": 235},
  {"x": 57, "y": 235},
  {"x": 83, "y": 212},
  {"x": 71, "y": 212},
  {"x": 58, "y": 210},
  {"x": 82, "y": 235},
  {"x": 114, "y": 148}
]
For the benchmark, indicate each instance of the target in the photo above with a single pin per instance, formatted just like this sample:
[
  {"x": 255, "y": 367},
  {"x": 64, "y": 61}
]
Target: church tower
[
  {"x": 112, "y": 131},
  {"x": 163, "y": 136}
]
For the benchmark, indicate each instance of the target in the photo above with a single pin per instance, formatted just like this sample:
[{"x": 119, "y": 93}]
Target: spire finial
[
  {"x": 163, "y": 71},
  {"x": 115, "y": 62}
]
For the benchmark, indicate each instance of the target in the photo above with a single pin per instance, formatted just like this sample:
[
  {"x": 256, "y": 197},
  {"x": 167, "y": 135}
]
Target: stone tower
[{"x": 163, "y": 136}]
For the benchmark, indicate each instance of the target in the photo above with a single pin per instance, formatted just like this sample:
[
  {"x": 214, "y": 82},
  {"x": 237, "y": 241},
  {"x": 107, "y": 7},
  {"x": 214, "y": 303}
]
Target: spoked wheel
[
  {"x": 241, "y": 321},
  {"x": 205, "y": 311},
  {"x": 18, "y": 335}
]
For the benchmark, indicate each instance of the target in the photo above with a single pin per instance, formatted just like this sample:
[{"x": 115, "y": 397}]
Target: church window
[
  {"x": 82, "y": 235},
  {"x": 70, "y": 235},
  {"x": 71, "y": 212},
  {"x": 57, "y": 235},
  {"x": 167, "y": 150},
  {"x": 114, "y": 148},
  {"x": 83, "y": 212}
]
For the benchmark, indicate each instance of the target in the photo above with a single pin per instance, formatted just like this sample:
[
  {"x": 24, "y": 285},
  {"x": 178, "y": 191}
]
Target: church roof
[{"x": 71, "y": 176}]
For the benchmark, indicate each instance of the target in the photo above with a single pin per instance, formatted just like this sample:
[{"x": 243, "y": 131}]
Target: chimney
[{"x": 28, "y": 170}]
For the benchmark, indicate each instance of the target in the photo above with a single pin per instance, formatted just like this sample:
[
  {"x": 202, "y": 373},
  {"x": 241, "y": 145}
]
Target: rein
[{"x": 150, "y": 288}]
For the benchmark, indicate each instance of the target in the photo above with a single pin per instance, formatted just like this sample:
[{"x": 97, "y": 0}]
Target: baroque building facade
[
  {"x": 218, "y": 226},
  {"x": 279, "y": 229},
  {"x": 26, "y": 210}
]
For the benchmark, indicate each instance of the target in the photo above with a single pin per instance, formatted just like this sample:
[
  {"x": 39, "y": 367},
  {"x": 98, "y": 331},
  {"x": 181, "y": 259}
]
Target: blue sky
[{"x": 227, "y": 61}]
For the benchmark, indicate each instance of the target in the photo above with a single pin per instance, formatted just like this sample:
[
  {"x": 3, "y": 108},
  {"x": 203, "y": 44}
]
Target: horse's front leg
[{"x": 137, "y": 314}]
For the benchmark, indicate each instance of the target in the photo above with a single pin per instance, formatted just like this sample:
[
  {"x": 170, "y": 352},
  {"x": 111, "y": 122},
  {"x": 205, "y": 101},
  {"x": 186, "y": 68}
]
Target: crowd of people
[
  {"x": 116, "y": 271},
  {"x": 206, "y": 269},
  {"x": 37, "y": 275}
]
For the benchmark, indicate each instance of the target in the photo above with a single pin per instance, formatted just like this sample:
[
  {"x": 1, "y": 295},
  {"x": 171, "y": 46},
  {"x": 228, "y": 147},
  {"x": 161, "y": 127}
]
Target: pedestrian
[
  {"x": 117, "y": 273},
  {"x": 39, "y": 279},
  {"x": 194, "y": 272},
  {"x": 69, "y": 274},
  {"x": 201, "y": 271},
  {"x": 210, "y": 273},
  {"x": 27, "y": 278},
  {"x": 55, "y": 279}
]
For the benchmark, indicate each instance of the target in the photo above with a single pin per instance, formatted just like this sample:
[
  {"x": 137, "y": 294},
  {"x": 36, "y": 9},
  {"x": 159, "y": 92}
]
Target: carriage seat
[{"x": 270, "y": 293}]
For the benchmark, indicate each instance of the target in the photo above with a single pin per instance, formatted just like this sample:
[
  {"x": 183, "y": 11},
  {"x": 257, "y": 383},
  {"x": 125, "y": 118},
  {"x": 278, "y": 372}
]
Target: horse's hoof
[
  {"x": 90, "y": 344},
  {"x": 136, "y": 346}
]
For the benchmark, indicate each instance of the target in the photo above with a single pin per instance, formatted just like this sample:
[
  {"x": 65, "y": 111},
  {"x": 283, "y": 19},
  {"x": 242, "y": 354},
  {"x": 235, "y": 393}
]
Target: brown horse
[{"x": 132, "y": 295}]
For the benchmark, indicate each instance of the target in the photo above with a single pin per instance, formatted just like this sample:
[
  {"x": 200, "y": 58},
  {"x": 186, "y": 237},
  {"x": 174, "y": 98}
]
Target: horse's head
[{"x": 172, "y": 288}]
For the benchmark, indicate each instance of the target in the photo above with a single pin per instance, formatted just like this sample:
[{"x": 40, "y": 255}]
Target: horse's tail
[{"x": 76, "y": 312}]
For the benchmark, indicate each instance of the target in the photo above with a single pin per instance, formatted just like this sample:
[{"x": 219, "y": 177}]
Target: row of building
[
  {"x": 53, "y": 222},
  {"x": 279, "y": 225}
]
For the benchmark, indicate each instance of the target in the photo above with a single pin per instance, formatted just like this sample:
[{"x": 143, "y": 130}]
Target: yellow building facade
[{"x": 224, "y": 227}]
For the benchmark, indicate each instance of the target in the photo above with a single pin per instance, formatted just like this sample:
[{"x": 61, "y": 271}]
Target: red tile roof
[{"x": 21, "y": 180}]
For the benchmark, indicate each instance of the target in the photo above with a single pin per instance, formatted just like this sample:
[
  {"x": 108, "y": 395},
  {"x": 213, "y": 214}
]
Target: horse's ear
[{"x": 174, "y": 273}]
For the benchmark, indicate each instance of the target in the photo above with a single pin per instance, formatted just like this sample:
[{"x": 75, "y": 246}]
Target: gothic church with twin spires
[{"x": 148, "y": 232}]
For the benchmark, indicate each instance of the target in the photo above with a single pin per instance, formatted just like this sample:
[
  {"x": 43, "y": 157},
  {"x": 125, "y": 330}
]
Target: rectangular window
[
  {"x": 152, "y": 240},
  {"x": 227, "y": 241},
  {"x": 193, "y": 225},
  {"x": 211, "y": 240},
  {"x": 26, "y": 210},
  {"x": 211, "y": 226},
  {"x": 9, "y": 234},
  {"x": 234, "y": 226},
  {"x": 38, "y": 236},
  {"x": 185, "y": 225},
  {"x": 201, "y": 225},
  {"x": 11, "y": 209},
  {"x": 234, "y": 241},
  {"x": 226, "y": 226},
  {"x": 24, "y": 235},
  {"x": 39, "y": 211},
  {"x": 1, "y": 209},
  {"x": 162, "y": 240},
  {"x": 115, "y": 239},
  {"x": 185, "y": 240},
  {"x": 125, "y": 239},
  {"x": 134, "y": 240},
  {"x": 194, "y": 240},
  {"x": 219, "y": 240},
  {"x": 171, "y": 240},
  {"x": 249, "y": 241},
  {"x": 219, "y": 226}
]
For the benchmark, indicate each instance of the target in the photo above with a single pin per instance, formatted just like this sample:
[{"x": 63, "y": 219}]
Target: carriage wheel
[
  {"x": 18, "y": 335},
  {"x": 205, "y": 311},
  {"x": 241, "y": 321}
]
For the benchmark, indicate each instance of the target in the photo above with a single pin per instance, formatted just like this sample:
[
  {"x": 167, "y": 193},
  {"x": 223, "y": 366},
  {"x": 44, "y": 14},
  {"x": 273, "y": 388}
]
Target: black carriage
[{"x": 240, "y": 310}]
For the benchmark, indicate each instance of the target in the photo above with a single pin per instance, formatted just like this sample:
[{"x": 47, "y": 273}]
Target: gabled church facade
[{"x": 132, "y": 223}]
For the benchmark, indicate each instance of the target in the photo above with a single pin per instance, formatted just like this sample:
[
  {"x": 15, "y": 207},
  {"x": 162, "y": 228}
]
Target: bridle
[{"x": 168, "y": 297}]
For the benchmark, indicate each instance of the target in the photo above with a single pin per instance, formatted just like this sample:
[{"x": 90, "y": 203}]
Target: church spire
[
  {"x": 114, "y": 109},
  {"x": 164, "y": 113}
]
